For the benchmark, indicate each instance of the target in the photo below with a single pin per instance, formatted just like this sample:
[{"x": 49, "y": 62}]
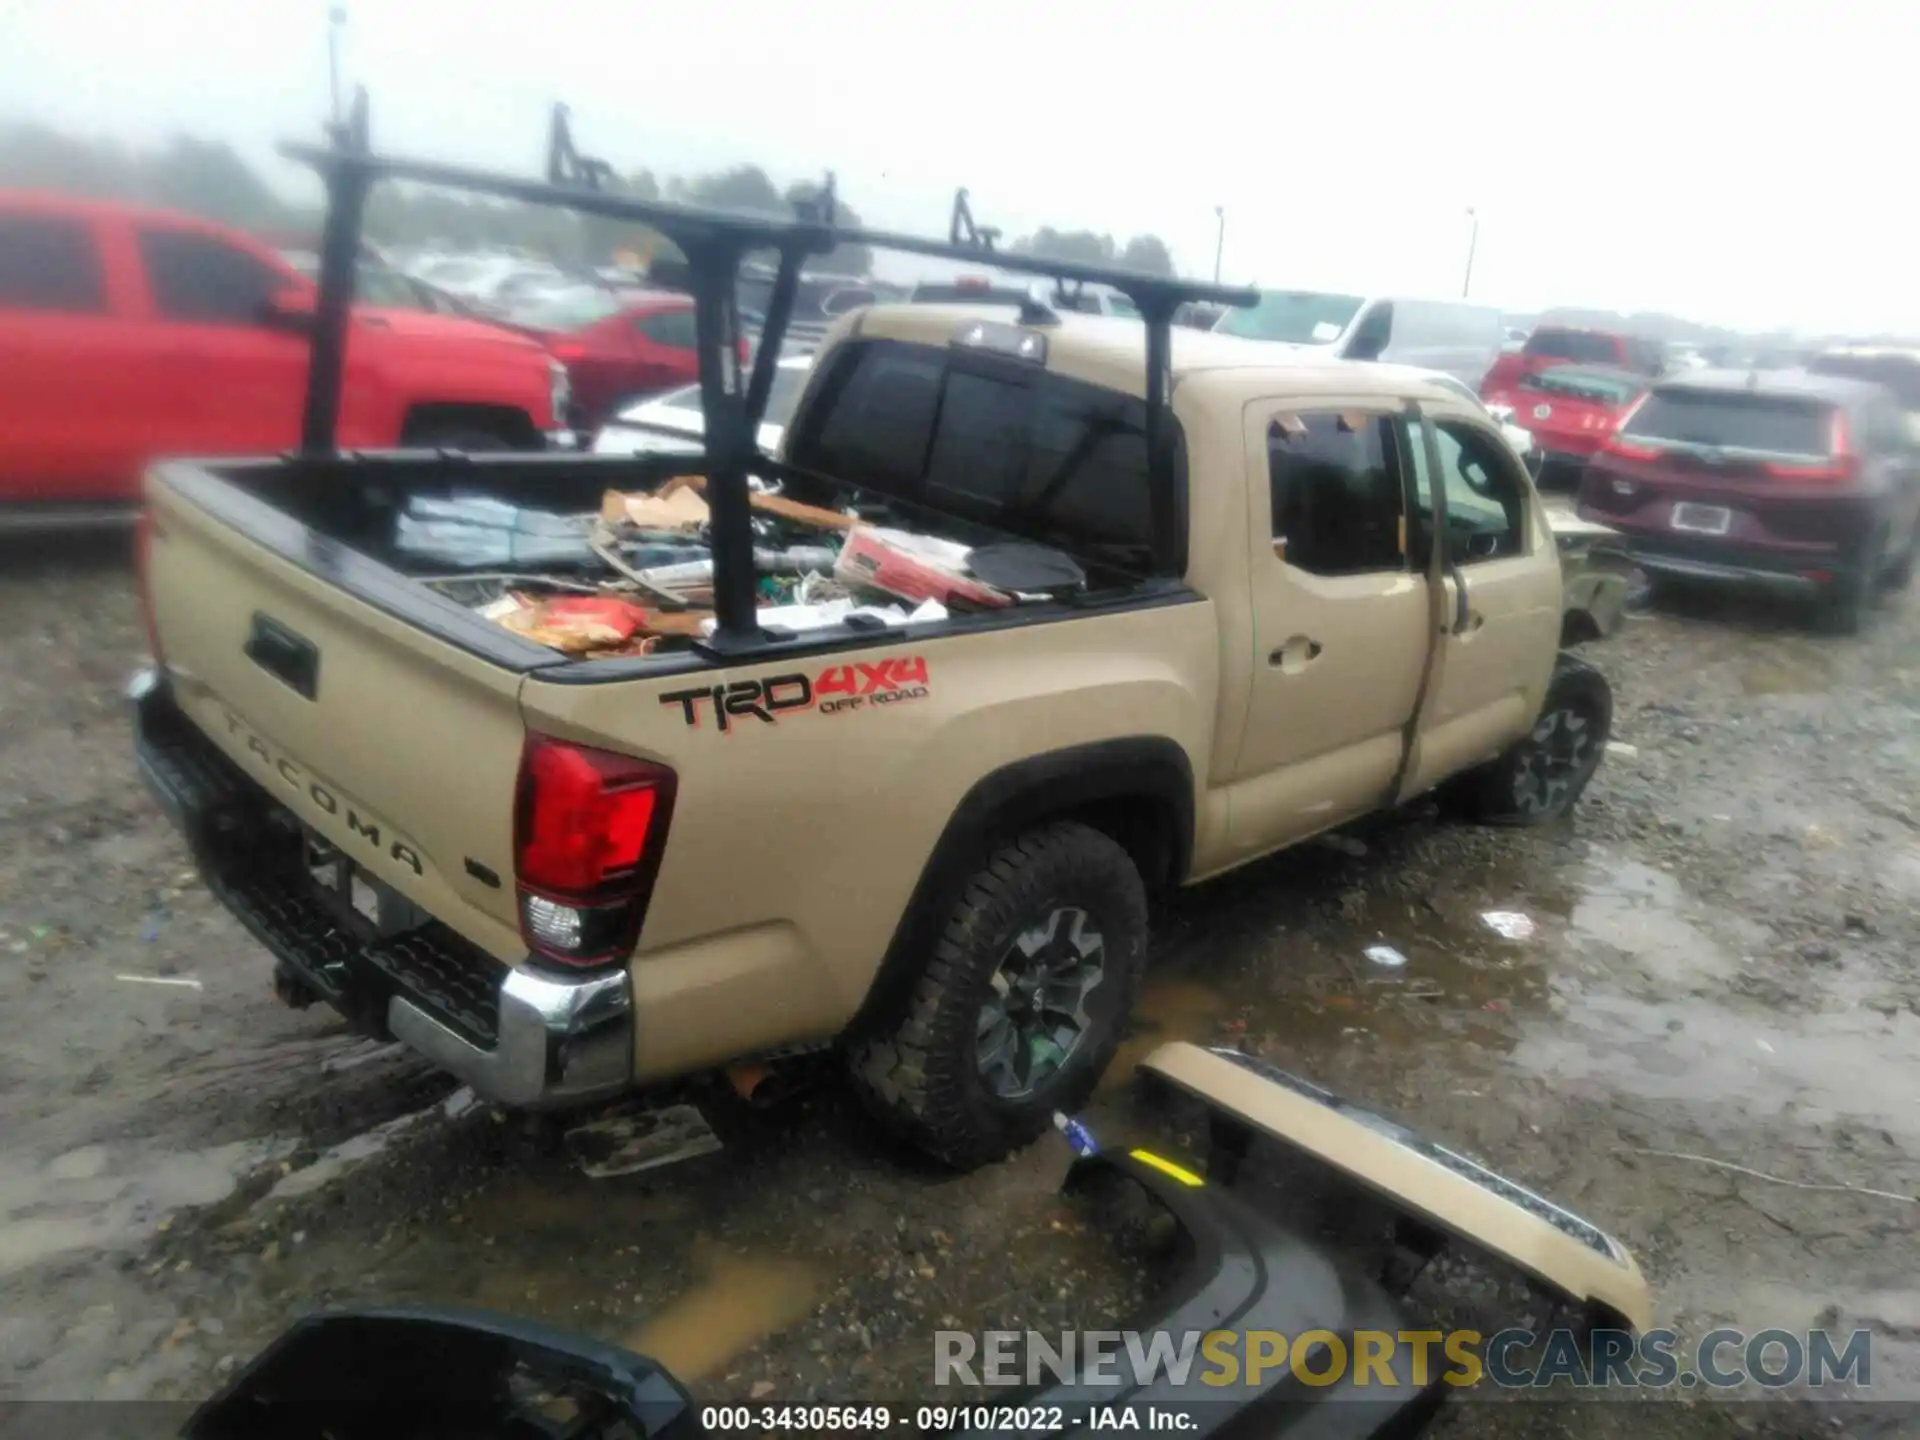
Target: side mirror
[{"x": 291, "y": 311}]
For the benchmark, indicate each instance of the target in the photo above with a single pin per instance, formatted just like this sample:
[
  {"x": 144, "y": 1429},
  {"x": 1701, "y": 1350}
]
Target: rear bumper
[
  {"x": 522, "y": 1036},
  {"x": 1799, "y": 568},
  {"x": 1758, "y": 577}
]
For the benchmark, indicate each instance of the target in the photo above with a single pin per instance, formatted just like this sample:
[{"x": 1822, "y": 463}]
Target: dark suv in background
[{"x": 1801, "y": 482}]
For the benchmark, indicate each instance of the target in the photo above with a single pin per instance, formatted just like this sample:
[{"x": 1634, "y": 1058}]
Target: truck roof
[{"x": 1104, "y": 350}]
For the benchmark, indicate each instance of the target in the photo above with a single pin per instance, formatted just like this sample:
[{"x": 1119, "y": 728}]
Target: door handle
[
  {"x": 1294, "y": 656},
  {"x": 1460, "y": 611}
]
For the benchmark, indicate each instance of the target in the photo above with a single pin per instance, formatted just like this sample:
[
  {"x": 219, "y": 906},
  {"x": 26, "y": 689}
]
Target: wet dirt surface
[{"x": 1718, "y": 968}]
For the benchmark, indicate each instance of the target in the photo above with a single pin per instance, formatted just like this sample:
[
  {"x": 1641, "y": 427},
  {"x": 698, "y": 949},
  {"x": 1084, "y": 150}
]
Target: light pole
[
  {"x": 1219, "y": 240},
  {"x": 1473, "y": 242},
  {"x": 336, "y": 20}
]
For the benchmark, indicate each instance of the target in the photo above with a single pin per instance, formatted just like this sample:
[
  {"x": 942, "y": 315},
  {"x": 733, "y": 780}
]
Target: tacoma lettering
[{"x": 325, "y": 800}]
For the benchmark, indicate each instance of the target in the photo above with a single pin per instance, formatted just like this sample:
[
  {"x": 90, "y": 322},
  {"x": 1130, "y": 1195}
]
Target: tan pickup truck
[{"x": 1294, "y": 594}]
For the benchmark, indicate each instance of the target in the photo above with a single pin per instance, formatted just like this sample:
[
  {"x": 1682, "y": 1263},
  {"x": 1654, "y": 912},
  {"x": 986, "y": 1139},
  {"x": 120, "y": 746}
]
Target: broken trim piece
[{"x": 1443, "y": 1188}]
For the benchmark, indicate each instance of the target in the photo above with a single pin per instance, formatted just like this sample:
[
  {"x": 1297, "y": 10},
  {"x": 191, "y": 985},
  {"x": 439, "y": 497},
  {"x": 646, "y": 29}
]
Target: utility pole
[
  {"x": 336, "y": 22},
  {"x": 1473, "y": 242},
  {"x": 1220, "y": 240}
]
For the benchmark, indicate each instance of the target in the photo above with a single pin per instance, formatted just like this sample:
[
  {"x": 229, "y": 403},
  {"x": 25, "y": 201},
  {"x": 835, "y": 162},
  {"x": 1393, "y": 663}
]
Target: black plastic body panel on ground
[{"x": 1246, "y": 1274}]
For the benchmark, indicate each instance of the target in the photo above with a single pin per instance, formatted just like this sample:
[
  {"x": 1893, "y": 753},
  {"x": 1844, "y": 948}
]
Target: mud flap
[{"x": 1437, "y": 1187}]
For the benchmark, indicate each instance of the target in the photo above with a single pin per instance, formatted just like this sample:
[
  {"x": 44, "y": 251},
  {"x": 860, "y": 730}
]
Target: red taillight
[
  {"x": 143, "y": 535},
  {"x": 568, "y": 351},
  {"x": 1626, "y": 449},
  {"x": 1841, "y": 466},
  {"x": 589, "y": 826},
  {"x": 1630, "y": 449}
]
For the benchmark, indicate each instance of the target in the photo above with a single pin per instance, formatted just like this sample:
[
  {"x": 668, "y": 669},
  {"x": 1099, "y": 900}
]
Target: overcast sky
[{"x": 1739, "y": 163}]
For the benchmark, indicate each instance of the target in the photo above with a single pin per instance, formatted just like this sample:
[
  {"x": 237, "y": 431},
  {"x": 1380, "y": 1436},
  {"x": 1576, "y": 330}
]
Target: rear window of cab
[{"x": 999, "y": 443}]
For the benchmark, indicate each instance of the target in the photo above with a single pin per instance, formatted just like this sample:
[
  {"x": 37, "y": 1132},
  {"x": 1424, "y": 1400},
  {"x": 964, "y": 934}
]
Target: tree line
[{"x": 210, "y": 179}]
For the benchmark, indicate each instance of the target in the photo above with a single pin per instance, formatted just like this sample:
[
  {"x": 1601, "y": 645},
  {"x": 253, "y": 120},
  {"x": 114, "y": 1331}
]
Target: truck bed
[
  {"x": 312, "y": 692},
  {"x": 336, "y": 520}
]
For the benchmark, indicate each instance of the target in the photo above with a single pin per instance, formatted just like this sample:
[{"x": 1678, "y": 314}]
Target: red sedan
[{"x": 617, "y": 347}]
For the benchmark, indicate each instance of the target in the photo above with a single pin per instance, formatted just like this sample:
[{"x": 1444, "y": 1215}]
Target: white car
[
  {"x": 677, "y": 414},
  {"x": 495, "y": 280}
]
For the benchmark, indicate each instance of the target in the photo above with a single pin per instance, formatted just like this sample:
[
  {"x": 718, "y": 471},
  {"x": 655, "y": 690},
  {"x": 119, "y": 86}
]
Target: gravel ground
[{"x": 1718, "y": 969}]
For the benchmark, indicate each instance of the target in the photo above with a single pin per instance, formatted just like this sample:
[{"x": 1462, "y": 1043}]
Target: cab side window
[
  {"x": 1336, "y": 493},
  {"x": 201, "y": 280},
  {"x": 1486, "y": 501}
]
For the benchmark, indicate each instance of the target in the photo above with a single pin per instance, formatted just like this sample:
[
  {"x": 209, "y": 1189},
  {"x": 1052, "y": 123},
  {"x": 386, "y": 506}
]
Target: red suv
[
  {"x": 127, "y": 335},
  {"x": 1551, "y": 345},
  {"x": 1808, "y": 483}
]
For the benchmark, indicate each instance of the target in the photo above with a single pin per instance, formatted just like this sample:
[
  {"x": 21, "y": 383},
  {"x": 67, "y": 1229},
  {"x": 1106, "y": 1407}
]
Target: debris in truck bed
[
  {"x": 914, "y": 567},
  {"x": 1025, "y": 568},
  {"x": 596, "y": 625},
  {"x": 781, "y": 507},
  {"x": 576, "y": 624},
  {"x": 671, "y": 507},
  {"x": 479, "y": 532},
  {"x": 823, "y": 613}
]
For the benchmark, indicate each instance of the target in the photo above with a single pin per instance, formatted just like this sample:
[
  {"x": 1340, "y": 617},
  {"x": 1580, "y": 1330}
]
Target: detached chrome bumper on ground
[{"x": 522, "y": 1036}]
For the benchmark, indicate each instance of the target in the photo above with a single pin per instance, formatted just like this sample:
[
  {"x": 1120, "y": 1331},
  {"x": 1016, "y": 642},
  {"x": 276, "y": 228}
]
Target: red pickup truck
[{"x": 127, "y": 335}]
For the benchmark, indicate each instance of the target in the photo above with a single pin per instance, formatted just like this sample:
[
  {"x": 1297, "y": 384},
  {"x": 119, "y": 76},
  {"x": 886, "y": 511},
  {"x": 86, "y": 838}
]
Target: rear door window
[
  {"x": 1734, "y": 420},
  {"x": 49, "y": 263},
  {"x": 1337, "y": 501}
]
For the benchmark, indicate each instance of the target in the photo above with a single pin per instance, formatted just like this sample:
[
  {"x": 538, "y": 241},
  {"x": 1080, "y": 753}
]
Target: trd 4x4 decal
[{"x": 834, "y": 691}]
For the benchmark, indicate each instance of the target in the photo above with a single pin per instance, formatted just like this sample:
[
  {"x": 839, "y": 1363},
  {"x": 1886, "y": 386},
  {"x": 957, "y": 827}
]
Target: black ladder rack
[{"x": 714, "y": 242}]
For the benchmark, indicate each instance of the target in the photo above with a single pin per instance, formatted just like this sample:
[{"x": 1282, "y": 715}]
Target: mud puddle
[{"x": 112, "y": 1197}]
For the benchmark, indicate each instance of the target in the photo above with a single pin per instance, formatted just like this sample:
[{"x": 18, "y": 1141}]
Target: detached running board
[{"x": 1439, "y": 1187}]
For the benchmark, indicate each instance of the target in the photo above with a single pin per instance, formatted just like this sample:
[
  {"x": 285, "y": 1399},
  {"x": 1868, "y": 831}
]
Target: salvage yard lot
[{"x": 1718, "y": 967}]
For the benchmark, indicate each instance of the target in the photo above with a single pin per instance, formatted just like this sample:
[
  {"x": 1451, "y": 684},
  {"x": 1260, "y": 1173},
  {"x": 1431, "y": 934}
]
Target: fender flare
[{"x": 1113, "y": 776}]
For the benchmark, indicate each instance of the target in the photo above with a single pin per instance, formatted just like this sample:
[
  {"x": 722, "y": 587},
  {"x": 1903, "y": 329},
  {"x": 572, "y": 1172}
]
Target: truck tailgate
[{"x": 404, "y": 753}]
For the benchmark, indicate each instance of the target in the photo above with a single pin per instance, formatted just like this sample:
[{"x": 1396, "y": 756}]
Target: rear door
[
  {"x": 1340, "y": 621},
  {"x": 1502, "y": 604},
  {"x": 66, "y": 434},
  {"x": 218, "y": 379}
]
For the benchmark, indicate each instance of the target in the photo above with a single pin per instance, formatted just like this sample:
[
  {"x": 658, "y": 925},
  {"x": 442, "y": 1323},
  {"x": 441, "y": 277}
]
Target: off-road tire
[
  {"x": 1493, "y": 792},
  {"x": 1842, "y": 608},
  {"x": 1899, "y": 572},
  {"x": 917, "y": 1068}
]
